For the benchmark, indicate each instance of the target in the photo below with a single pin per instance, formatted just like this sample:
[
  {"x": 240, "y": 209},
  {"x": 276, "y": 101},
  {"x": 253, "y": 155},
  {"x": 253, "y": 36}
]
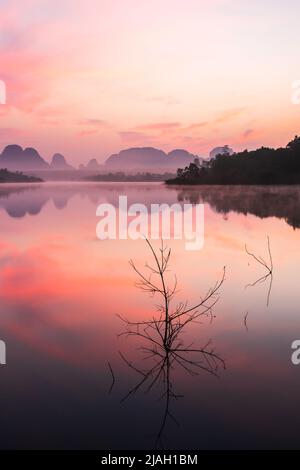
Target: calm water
[{"x": 61, "y": 290}]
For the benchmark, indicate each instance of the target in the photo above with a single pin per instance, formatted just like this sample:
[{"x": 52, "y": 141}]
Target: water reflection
[
  {"x": 60, "y": 291},
  {"x": 268, "y": 268},
  {"x": 281, "y": 202},
  {"x": 163, "y": 335},
  {"x": 19, "y": 200}
]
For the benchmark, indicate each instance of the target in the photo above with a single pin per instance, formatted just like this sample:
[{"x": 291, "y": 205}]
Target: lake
[{"x": 62, "y": 289}]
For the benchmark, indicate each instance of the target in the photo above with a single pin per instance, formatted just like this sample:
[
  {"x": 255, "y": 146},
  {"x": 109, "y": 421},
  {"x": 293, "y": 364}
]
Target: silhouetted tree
[{"x": 262, "y": 166}]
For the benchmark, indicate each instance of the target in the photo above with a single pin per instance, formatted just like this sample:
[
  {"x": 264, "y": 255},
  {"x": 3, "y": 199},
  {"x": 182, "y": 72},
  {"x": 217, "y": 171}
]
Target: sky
[{"x": 88, "y": 78}]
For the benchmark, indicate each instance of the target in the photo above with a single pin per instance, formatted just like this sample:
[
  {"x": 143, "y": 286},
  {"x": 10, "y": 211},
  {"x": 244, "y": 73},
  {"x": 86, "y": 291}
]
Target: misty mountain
[
  {"x": 59, "y": 163},
  {"x": 15, "y": 158},
  {"x": 92, "y": 165},
  {"x": 149, "y": 157},
  {"x": 180, "y": 157}
]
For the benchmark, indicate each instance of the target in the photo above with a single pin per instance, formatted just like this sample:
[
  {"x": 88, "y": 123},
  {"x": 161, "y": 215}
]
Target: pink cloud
[
  {"x": 159, "y": 126},
  {"x": 131, "y": 65}
]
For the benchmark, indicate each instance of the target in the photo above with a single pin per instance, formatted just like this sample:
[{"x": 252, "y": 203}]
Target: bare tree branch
[{"x": 162, "y": 334}]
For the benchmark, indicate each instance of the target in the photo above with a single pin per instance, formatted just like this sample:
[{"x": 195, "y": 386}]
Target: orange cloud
[{"x": 229, "y": 114}]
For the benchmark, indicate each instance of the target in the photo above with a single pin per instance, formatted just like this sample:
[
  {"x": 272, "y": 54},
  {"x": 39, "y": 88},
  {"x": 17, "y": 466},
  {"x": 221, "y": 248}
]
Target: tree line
[{"x": 262, "y": 166}]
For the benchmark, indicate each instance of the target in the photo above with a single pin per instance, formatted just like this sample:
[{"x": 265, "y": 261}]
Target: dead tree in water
[
  {"x": 267, "y": 265},
  {"x": 162, "y": 334}
]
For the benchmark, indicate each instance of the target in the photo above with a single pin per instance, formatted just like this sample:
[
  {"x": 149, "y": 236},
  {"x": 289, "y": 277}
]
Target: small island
[
  {"x": 264, "y": 166},
  {"x": 130, "y": 178},
  {"x": 17, "y": 177}
]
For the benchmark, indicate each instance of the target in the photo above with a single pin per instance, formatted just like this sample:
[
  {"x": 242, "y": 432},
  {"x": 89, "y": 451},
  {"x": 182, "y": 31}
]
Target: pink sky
[{"x": 87, "y": 78}]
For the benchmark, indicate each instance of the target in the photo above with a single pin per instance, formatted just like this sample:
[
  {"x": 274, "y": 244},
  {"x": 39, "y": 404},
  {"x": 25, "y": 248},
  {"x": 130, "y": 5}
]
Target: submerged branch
[
  {"x": 267, "y": 265},
  {"x": 165, "y": 347}
]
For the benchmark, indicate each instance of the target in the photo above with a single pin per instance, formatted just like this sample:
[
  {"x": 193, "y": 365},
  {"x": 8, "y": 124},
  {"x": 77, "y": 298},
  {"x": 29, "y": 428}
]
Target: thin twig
[
  {"x": 113, "y": 378},
  {"x": 245, "y": 321},
  {"x": 269, "y": 267}
]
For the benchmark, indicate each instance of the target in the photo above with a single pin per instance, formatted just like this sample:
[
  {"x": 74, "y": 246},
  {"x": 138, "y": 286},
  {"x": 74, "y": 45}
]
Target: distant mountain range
[
  {"x": 149, "y": 157},
  {"x": 15, "y": 158}
]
